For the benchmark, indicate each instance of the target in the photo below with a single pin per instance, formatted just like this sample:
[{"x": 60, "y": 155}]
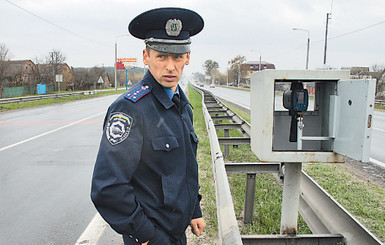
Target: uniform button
[{"x": 167, "y": 146}]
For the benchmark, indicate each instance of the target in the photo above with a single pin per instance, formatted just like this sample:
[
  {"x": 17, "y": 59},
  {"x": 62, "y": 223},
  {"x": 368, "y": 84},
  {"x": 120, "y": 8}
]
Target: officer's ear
[
  {"x": 188, "y": 58},
  {"x": 146, "y": 56}
]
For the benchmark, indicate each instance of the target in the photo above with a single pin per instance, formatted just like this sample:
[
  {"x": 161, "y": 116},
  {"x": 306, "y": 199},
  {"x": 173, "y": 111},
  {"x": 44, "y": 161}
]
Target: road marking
[
  {"x": 381, "y": 164},
  {"x": 49, "y": 132},
  {"x": 93, "y": 232},
  {"x": 46, "y": 123}
]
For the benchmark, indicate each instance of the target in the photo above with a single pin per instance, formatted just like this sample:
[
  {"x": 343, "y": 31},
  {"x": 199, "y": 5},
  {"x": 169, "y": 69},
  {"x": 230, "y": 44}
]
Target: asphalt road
[
  {"x": 46, "y": 162},
  {"x": 377, "y": 153}
]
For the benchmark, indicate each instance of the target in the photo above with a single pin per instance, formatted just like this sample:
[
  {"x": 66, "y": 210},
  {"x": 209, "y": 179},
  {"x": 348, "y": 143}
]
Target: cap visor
[{"x": 172, "y": 49}]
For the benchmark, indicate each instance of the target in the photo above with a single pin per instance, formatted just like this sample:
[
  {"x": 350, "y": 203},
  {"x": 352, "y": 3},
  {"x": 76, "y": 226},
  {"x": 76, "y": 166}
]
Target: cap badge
[{"x": 173, "y": 27}]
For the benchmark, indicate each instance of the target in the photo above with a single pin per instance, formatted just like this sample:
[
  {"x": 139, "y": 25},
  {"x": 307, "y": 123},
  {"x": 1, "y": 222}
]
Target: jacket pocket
[
  {"x": 165, "y": 143},
  {"x": 171, "y": 188}
]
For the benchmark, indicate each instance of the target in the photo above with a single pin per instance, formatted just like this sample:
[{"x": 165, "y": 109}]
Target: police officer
[{"x": 145, "y": 181}]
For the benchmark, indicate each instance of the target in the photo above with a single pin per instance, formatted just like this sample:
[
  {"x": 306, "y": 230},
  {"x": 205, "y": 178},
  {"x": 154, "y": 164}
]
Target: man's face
[{"x": 166, "y": 68}]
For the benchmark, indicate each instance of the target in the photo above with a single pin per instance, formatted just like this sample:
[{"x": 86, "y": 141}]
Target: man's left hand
[{"x": 197, "y": 226}]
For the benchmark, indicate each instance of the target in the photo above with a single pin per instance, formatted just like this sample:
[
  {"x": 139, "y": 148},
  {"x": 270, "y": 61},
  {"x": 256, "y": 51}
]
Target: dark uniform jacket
[{"x": 145, "y": 181}]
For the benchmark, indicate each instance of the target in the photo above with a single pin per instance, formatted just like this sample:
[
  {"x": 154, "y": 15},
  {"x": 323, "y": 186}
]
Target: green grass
[{"x": 362, "y": 199}]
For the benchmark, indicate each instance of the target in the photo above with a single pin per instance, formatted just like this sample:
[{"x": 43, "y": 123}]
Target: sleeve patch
[{"x": 118, "y": 127}]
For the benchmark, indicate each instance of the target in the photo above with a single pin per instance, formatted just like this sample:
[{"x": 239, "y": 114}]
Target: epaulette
[{"x": 137, "y": 93}]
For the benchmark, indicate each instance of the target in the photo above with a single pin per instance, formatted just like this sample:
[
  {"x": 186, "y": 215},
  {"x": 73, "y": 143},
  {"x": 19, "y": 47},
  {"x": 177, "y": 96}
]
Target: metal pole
[
  {"x": 227, "y": 77},
  {"x": 126, "y": 78},
  {"x": 116, "y": 57},
  {"x": 290, "y": 198},
  {"x": 326, "y": 35},
  {"x": 249, "y": 198},
  {"x": 226, "y": 150},
  {"x": 308, "y": 45},
  {"x": 116, "y": 54},
  {"x": 239, "y": 74},
  {"x": 299, "y": 133},
  {"x": 307, "y": 53}
]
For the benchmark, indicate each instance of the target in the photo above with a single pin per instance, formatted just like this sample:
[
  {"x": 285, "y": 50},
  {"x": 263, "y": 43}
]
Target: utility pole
[
  {"x": 116, "y": 57},
  {"x": 328, "y": 17},
  {"x": 308, "y": 45}
]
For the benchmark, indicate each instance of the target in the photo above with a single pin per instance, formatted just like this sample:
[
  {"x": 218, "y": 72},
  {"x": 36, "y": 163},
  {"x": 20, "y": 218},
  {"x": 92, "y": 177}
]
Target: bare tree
[
  {"x": 55, "y": 59},
  {"x": 5, "y": 56},
  {"x": 37, "y": 72},
  {"x": 380, "y": 85},
  {"x": 209, "y": 65},
  {"x": 237, "y": 70}
]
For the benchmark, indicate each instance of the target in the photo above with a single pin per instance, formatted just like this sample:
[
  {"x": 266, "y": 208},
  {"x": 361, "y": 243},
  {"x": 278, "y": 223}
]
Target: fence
[{"x": 25, "y": 90}]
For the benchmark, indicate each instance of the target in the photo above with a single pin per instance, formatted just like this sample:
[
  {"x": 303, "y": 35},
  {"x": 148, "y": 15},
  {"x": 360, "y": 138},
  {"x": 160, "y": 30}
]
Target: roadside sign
[
  {"x": 59, "y": 78},
  {"x": 126, "y": 60},
  {"x": 120, "y": 66},
  {"x": 122, "y": 63}
]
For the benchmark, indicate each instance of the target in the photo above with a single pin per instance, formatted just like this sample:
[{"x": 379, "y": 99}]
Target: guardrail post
[
  {"x": 290, "y": 198},
  {"x": 249, "y": 198},
  {"x": 226, "y": 147}
]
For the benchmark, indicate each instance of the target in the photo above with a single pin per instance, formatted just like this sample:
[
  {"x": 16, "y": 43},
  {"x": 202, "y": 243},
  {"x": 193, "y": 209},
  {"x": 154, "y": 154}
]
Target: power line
[
  {"x": 335, "y": 37},
  {"x": 361, "y": 29},
  {"x": 56, "y": 25}
]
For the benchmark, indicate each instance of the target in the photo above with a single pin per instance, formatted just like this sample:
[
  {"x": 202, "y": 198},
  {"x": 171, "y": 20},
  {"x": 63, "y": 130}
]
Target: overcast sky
[{"x": 85, "y": 31}]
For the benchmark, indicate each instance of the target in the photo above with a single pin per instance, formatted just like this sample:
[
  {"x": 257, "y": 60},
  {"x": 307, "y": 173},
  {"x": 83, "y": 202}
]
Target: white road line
[
  {"x": 381, "y": 164},
  {"x": 93, "y": 232},
  {"x": 49, "y": 132}
]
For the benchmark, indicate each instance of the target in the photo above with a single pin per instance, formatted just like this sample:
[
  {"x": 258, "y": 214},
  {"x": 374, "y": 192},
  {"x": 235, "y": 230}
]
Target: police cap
[{"x": 167, "y": 30}]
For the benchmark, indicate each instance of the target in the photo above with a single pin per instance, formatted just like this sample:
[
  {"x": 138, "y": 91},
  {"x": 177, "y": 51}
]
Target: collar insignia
[{"x": 173, "y": 27}]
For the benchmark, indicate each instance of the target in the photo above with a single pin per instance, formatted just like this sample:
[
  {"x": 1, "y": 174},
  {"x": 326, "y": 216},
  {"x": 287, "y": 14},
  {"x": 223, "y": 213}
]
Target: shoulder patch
[
  {"x": 137, "y": 93},
  {"x": 118, "y": 127}
]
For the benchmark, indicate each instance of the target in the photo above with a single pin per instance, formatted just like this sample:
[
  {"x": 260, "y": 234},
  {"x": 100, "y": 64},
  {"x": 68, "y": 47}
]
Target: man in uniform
[{"x": 145, "y": 181}]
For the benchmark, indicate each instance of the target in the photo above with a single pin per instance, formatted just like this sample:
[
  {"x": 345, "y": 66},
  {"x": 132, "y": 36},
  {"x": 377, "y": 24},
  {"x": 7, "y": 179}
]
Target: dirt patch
[
  {"x": 202, "y": 240},
  {"x": 368, "y": 172}
]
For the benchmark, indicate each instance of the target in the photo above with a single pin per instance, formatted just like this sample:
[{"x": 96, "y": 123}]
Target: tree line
[
  {"x": 235, "y": 74},
  {"x": 43, "y": 71}
]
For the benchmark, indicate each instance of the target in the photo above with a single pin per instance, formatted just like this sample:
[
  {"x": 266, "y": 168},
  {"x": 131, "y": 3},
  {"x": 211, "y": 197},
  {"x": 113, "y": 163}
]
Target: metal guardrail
[
  {"x": 227, "y": 223},
  {"x": 379, "y": 102},
  {"x": 320, "y": 211},
  {"x": 46, "y": 96}
]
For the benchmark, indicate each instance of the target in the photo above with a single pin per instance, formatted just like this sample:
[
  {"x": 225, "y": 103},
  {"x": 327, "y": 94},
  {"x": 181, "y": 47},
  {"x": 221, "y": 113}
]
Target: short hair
[{"x": 148, "y": 50}]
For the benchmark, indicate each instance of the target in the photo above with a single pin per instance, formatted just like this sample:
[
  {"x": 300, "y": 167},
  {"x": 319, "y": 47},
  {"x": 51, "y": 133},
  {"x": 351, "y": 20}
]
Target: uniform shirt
[
  {"x": 145, "y": 181},
  {"x": 170, "y": 93}
]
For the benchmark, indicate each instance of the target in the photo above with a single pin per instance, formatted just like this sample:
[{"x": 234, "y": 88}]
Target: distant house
[
  {"x": 365, "y": 73},
  {"x": 20, "y": 73},
  {"x": 48, "y": 72},
  {"x": 255, "y": 66}
]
